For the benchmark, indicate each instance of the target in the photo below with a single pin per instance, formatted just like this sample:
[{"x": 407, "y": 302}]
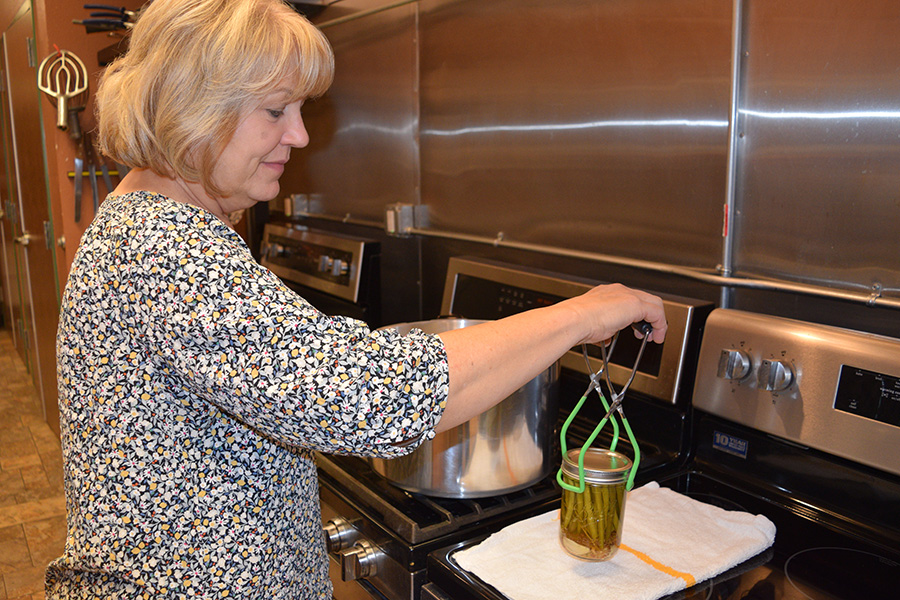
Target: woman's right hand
[{"x": 607, "y": 309}]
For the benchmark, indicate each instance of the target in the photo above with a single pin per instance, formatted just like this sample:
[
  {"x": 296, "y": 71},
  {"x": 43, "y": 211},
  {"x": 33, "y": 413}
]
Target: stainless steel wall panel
[
  {"x": 603, "y": 127},
  {"x": 363, "y": 151},
  {"x": 599, "y": 126},
  {"x": 819, "y": 171}
]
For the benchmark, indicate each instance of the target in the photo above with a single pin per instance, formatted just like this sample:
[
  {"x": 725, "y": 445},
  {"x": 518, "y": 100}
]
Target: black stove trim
[
  {"x": 383, "y": 503},
  {"x": 837, "y": 494}
]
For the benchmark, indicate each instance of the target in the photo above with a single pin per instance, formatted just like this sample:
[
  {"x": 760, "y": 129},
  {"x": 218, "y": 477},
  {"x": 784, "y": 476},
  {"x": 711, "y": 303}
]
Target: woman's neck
[{"x": 173, "y": 188}]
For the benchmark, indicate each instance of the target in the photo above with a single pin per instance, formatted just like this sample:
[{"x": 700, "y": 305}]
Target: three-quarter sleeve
[{"x": 234, "y": 335}]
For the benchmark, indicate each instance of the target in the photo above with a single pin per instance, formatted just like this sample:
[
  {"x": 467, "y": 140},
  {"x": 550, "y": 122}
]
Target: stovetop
[
  {"x": 405, "y": 527},
  {"x": 813, "y": 562},
  {"x": 797, "y": 422},
  {"x": 661, "y": 431},
  {"x": 845, "y": 549}
]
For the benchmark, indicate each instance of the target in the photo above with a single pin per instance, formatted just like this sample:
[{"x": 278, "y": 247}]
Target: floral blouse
[{"x": 194, "y": 387}]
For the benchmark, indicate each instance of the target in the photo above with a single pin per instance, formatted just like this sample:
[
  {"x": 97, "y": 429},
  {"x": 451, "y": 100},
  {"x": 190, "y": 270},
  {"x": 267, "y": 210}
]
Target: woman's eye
[{"x": 275, "y": 113}]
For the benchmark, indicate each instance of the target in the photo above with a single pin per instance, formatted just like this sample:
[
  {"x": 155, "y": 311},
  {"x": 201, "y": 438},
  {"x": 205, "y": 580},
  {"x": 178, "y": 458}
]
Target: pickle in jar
[{"x": 591, "y": 520}]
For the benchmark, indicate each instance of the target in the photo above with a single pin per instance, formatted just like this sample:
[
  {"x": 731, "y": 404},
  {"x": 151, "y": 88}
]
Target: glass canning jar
[{"x": 591, "y": 521}]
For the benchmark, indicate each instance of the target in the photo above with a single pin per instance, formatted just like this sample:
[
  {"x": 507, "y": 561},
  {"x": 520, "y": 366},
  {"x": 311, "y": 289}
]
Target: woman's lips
[{"x": 276, "y": 166}]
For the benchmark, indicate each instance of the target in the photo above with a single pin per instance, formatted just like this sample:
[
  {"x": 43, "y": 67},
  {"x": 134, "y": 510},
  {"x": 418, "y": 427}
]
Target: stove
[
  {"x": 796, "y": 421},
  {"x": 381, "y": 539}
]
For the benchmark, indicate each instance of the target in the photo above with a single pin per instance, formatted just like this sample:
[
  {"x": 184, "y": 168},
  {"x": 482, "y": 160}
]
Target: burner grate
[{"x": 417, "y": 518}]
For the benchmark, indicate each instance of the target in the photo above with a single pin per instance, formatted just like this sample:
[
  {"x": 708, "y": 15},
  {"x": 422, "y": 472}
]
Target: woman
[{"x": 193, "y": 384}]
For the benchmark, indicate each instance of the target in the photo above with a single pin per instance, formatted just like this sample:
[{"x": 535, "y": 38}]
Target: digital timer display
[{"x": 869, "y": 394}]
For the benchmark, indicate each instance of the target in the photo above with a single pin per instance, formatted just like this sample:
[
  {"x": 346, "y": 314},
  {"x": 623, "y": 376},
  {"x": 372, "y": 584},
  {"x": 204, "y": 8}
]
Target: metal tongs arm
[{"x": 645, "y": 329}]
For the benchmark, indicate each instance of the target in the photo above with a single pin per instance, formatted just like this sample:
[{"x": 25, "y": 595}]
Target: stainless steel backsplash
[{"x": 604, "y": 126}]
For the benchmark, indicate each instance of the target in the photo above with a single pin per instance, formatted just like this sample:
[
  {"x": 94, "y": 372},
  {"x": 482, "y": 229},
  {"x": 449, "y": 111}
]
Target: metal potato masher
[{"x": 612, "y": 407}]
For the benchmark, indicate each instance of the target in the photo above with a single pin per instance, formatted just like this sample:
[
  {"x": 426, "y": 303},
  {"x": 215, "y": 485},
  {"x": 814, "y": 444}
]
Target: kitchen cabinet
[
  {"x": 11, "y": 299},
  {"x": 28, "y": 217}
]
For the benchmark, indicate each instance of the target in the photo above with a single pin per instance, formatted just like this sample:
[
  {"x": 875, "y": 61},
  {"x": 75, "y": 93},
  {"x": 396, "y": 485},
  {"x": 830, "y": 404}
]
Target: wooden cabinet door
[
  {"x": 13, "y": 318},
  {"x": 40, "y": 288}
]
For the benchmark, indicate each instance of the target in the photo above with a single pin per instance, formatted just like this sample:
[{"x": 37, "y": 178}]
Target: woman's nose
[{"x": 296, "y": 134}]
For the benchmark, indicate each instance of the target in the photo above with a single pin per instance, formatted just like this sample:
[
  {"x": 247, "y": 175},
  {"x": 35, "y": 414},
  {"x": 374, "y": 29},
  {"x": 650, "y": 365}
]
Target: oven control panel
[
  {"x": 324, "y": 261},
  {"x": 478, "y": 288},
  {"x": 828, "y": 388}
]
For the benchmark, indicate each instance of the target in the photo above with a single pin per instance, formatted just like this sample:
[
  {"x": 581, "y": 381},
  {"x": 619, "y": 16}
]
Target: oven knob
[
  {"x": 339, "y": 534},
  {"x": 775, "y": 375},
  {"x": 273, "y": 250},
  {"x": 734, "y": 364},
  {"x": 339, "y": 268},
  {"x": 325, "y": 263},
  {"x": 360, "y": 561}
]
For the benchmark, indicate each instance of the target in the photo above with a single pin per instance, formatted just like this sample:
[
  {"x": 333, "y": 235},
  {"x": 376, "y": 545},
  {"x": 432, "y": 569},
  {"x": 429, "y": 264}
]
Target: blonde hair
[{"x": 173, "y": 101}]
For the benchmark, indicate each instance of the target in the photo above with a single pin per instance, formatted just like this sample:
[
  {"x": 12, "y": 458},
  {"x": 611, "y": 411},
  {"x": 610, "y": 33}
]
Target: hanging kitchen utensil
[
  {"x": 614, "y": 407},
  {"x": 90, "y": 159},
  {"x": 107, "y": 18},
  {"x": 311, "y": 8},
  {"x": 62, "y": 76},
  {"x": 103, "y": 24},
  {"x": 79, "y": 169},
  {"x": 109, "y": 10},
  {"x": 106, "y": 178},
  {"x": 76, "y": 134}
]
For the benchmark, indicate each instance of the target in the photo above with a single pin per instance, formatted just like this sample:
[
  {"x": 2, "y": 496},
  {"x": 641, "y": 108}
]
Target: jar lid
[{"x": 600, "y": 466}]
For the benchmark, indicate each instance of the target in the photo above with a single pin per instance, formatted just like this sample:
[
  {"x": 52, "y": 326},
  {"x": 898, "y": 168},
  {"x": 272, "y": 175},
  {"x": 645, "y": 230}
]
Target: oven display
[{"x": 869, "y": 394}]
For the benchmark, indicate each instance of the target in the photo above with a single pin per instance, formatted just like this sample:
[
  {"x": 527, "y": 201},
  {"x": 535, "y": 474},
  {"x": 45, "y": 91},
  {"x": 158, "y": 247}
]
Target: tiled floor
[{"x": 32, "y": 505}]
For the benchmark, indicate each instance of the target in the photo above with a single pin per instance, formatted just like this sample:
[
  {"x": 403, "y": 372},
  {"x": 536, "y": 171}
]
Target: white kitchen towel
[{"x": 669, "y": 542}]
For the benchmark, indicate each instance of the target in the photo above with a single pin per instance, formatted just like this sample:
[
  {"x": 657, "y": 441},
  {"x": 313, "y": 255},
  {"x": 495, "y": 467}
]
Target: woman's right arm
[{"x": 489, "y": 361}]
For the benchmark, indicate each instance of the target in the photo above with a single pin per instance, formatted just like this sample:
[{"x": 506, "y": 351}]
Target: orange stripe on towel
[{"x": 688, "y": 578}]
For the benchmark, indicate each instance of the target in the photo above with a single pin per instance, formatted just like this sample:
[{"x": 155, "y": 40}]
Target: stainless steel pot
[{"x": 507, "y": 448}]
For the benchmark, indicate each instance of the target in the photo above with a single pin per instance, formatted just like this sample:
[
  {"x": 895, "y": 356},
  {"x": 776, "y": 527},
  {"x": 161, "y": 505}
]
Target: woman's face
[{"x": 253, "y": 161}]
